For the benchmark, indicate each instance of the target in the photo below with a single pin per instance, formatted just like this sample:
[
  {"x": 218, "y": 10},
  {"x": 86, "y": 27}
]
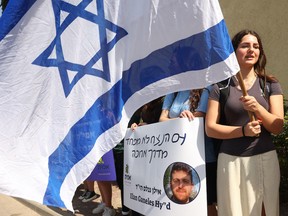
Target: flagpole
[{"x": 244, "y": 92}]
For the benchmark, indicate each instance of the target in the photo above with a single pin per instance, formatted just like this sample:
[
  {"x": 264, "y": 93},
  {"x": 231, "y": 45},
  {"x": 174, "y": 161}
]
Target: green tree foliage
[{"x": 281, "y": 142}]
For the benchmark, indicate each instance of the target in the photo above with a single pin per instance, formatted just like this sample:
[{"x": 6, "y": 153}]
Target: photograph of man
[{"x": 181, "y": 183}]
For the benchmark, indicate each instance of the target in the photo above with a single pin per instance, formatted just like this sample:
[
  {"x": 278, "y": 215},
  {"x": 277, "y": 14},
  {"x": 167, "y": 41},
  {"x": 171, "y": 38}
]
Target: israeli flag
[{"x": 73, "y": 72}]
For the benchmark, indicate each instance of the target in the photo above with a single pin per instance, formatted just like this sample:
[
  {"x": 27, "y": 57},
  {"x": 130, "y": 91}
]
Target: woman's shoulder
[{"x": 274, "y": 88}]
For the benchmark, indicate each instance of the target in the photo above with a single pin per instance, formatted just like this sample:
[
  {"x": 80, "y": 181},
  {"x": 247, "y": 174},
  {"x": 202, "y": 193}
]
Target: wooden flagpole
[{"x": 244, "y": 92}]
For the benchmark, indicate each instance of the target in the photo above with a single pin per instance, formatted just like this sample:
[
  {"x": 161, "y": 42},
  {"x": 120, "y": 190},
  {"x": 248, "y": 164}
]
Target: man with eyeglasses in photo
[{"x": 181, "y": 183}]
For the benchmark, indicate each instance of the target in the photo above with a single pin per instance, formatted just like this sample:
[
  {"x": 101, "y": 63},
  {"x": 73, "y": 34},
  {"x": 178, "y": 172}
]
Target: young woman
[{"x": 248, "y": 173}]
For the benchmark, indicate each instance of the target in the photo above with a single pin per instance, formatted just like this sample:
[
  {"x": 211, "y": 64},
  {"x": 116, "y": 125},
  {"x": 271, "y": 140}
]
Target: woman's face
[{"x": 248, "y": 51}]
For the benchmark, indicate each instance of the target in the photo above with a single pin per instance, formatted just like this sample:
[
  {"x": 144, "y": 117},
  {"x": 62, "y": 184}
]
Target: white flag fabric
[{"x": 73, "y": 72}]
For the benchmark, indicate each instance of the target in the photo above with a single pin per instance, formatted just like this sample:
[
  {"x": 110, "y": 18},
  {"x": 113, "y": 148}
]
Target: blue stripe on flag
[
  {"x": 194, "y": 53},
  {"x": 104, "y": 114},
  {"x": 14, "y": 11}
]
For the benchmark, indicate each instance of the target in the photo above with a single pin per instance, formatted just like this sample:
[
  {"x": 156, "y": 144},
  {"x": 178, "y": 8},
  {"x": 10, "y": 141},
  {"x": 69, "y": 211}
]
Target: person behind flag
[
  {"x": 105, "y": 207},
  {"x": 190, "y": 104},
  {"x": 248, "y": 173},
  {"x": 89, "y": 192},
  {"x": 149, "y": 114},
  {"x": 118, "y": 152}
]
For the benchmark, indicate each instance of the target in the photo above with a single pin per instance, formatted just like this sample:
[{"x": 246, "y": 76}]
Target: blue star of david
[{"x": 80, "y": 70}]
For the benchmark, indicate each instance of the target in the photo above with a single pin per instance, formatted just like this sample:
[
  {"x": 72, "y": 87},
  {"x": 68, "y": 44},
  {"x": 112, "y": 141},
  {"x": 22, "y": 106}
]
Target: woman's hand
[
  {"x": 250, "y": 103},
  {"x": 134, "y": 126},
  {"x": 252, "y": 129},
  {"x": 186, "y": 114}
]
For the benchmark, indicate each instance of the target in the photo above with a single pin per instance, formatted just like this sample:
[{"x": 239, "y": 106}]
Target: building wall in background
[{"x": 270, "y": 20}]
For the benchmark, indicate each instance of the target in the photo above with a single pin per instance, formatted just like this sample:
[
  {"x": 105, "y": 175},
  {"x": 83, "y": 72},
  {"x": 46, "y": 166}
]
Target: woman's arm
[
  {"x": 272, "y": 120},
  {"x": 167, "y": 103},
  {"x": 219, "y": 131},
  {"x": 164, "y": 115}
]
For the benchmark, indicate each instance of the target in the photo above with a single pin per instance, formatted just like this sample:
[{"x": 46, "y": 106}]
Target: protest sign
[{"x": 150, "y": 152}]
